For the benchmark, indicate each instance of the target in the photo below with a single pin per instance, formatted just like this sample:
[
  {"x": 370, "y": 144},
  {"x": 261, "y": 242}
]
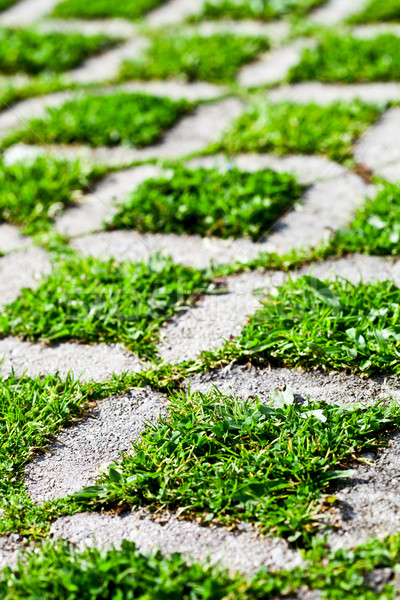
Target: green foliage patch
[
  {"x": 376, "y": 11},
  {"x": 335, "y": 325},
  {"x": 128, "y": 119},
  {"x": 33, "y": 193},
  {"x": 33, "y": 52},
  {"x": 220, "y": 460},
  {"x": 208, "y": 202},
  {"x": 6, "y": 4},
  {"x": 350, "y": 60},
  {"x": 215, "y": 58},
  {"x": 376, "y": 226},
  {"x": 92, "y": 300},
  {"x": 287, "y": 127},
  {"x": 258, "y": 9},
  {"x": 32, "y": 411},
  {"x": 59, "y": 570},
  {"x": 103, "y": 9}
]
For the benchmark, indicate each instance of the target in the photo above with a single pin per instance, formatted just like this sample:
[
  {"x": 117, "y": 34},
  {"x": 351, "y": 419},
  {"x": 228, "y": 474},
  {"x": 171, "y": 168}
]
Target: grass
[
  {"x": 33, "y": 193},
  {"x": 207, "y": 202},
  {"x": 216, "y": 58},
  {"x": 334, "y": 325},
  {"x": 103, "y": 9},
  {"x": 376, "y": 11},
  {"x": 218, "y": 460},
  {"x": 32, "y": 411},
  {"x": 127, "y": 119},
  {"x": 286, "y": 127},
  {"x": 4, "y": 4},
  {"x": 261, "y": 9},
  {"x": 91, "y": 300},
  {"x": 350, "y": 60},
  {"x": 59, "y": 570},
  {"x": 29, "y": 51},
  {"x": 376, "y": 226}
]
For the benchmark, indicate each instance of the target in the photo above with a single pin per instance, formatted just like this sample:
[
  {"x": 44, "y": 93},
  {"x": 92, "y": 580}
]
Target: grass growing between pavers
[
  {"x": 287, "y": 127},
  {"x": 346, "y": 59},
  {"x": 33, "y": 193},
  {"x": 220, "y": 460},
  {"x": 4, "y": 4},
  {"x": 332, "y": 325},
  {"x": 123, "y": 118},
  {"x": 375, "y": 228},
  {"x": 32, "y": 411},
  {"x": 60, "y": 570},
  {"x": 29, "y": 51},
  {"x": 260, "y": 9},
  {"x": 376, "y": 11},
  {"x": 103, "y": 9},
  {"x": 216, "y": 58},
  {"x": 208, "y": 202},
  {"x": 92, "y": 300}
]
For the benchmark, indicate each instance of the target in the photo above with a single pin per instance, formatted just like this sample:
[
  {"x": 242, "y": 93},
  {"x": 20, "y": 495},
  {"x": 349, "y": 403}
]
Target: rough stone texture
[
  {"x": 275, "y": 31},
  {"x": 99, "y": 206},
  {"x": 334, "y": 388},
  {"x": 379, "y": 148},
  {"x": 367, "y": 32},
  {"x": 113, "y": 27},
  {"x": 273, "y": 66},
  {"x": 177, "y": 90},
  {"x": 86, "y": 362},
  {"x": 22, "y": 269},
  {"x": 369, "y": 503},
  {"x": 11, "y": 239},
  {"x": 325, "y": 93},
  {"x": 73, "y": 460},
  {"x": 215, "y": 318},
  {"x": 337, "y": 10},
  {"x": 357, "y": 267},
  {"x": 10, "y": 545},
  {"x": 238, "y": 550}
]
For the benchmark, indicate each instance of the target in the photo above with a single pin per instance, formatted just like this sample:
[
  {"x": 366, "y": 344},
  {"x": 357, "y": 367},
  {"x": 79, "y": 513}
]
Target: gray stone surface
[
  {"x": 238, "y": 550},
  {"x": 335, "y": 388},
  {"x": 173, "y": 12},
  {"x": 97, "y": 362},
  {"x": 11, "y": 238},
  {"x": 25, "y": 12},
  {"x": 273, "y": 66},
  {"x": 22, "y": 269},
  {"x": 337, "y": 10},
  {"x": 74, "y": 459},
  {"x": 325, "y": 93}
]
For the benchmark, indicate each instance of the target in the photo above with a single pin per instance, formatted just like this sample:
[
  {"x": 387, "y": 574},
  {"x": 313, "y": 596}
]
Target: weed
[{"x": 103, "y": 9}]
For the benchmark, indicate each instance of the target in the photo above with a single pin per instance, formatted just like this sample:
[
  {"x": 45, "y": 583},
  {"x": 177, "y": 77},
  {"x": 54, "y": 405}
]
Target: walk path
[{"x": 333, "y": 193}]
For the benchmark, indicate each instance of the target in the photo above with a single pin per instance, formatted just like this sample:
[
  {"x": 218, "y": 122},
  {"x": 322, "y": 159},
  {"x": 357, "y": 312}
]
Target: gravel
[
  {"x": 73, "y": 460},
  {"x": 10, "y": 545},
  {"x": 97, "y": 362},
  {"x": 369, "y": 503},
  {"x": 336, "y": 388},
  {"x": 238, "y": 550}
]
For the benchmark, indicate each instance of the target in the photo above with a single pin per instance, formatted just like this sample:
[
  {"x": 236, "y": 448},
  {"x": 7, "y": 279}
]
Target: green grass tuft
[
  {"x": 103, "y": 9},
  {"x": 32, "y": 411},
  {"x": 260, "y": 9},
  {"x": 376, "y": 11},
  {"x": 350, "y": 60},
  {"x": 376, "y": 226},
  {"x": 335, "y": 325},
  {"x": 127, "y": 119},
  {"x": 219, "y": 460},
  {"x": 216, "y": 58},
  {"x": 91, "y": 300},
  {"x": 207, "y": 202},
  {"x": 300, "y": 128},
  {"x": 33, "y": 193},
  {"x": 32, "y": 52}
]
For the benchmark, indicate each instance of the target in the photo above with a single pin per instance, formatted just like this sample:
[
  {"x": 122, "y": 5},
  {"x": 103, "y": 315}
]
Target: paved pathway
[{"x": 332, "y": 195}]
